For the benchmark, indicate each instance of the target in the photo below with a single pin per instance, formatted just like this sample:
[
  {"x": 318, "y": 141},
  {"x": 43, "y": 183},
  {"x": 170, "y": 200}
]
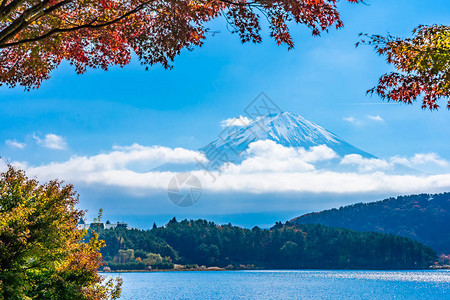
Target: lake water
[{"x": 301, "y": 284}]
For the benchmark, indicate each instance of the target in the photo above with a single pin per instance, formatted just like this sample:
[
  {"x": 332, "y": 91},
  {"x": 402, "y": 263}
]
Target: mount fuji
[{"x": 287, "y": 129}]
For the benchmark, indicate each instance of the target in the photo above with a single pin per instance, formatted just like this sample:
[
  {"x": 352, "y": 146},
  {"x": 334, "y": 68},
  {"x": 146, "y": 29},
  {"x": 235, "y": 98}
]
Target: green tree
[
  {"x": 290, "y": 250},
  {"x": 125, "y": 256},
  {"x": 42, "y": 253},
  {"x": 287, "y": 246},
  {"x": 422, "y": 65},
  {"x": 140, "y": 254}
]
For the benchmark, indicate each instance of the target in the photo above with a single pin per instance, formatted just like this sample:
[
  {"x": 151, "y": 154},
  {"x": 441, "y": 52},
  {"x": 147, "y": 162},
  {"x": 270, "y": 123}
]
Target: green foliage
[
  {"x": 420, "y": 217},
  {"x": 140, "y": 254},
  {"x": 124, "y": 256},
  {"x": 125, "y": 260},
  {"x": 422, "y": 63},
  {"x": 284, "y": 246},
  {"x": 41, "y": 253}
]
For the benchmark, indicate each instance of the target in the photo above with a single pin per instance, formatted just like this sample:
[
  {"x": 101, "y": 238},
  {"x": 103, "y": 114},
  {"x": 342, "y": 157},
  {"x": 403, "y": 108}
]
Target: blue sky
[{"x": 324, "y": 79}]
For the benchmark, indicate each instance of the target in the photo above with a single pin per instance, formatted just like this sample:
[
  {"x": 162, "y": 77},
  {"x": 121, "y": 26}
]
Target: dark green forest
[
  {"x": 424, "y": 217},
  {"x": 284, "y": 246}
]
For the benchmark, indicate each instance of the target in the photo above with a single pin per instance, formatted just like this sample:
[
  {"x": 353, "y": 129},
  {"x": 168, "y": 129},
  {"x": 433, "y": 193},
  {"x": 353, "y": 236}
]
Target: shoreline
[
  {"x": 222, "y": 269},
  {"x": 167, "y": 270}
]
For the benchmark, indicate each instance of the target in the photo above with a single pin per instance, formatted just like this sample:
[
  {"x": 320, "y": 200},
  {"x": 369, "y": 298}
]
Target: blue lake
[{"x": 295, "y": 284}]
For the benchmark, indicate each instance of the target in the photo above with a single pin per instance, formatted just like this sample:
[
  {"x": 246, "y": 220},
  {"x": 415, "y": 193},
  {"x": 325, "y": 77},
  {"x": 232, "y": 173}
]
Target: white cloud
[
  {"x": 356, "y": 121},
  {"x": 15, "y": 144},
  {"x": 51, "y": 141},
  {"x": 350, "y": 119},
  {"x": 239, "y": 121},
  {"x": 267, "y": 181},
  {"x": 366, "y": 164},
  {"x": 420, "y": 159},
  {"x": 267, "y": 155},
  {"x": 324, "y": 182},
  {"x": 116, "y": 167},
  {"x": 424, "y": 158},
  {"x": 267, "y": 168},
  {"x": 376, "y": 118},
  {"x": 318, "y": 153}
]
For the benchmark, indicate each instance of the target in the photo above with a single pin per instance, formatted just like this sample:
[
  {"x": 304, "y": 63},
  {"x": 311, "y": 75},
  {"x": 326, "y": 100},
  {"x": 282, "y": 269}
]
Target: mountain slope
[
  {"x": 286, "y": 129},
  {"x": 425, "y": 218}
]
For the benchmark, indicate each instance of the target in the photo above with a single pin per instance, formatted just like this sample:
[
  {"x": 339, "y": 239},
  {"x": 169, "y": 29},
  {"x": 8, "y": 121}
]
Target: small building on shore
[{"x": 100, "y": 225}]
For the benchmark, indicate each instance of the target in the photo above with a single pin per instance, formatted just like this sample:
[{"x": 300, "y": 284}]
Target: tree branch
[
  {"x": 89, "y": 25},
  {"x": 240, "y": 4},
  {"x": 7, "y": 9},
  {"x": 39, "y": 11},
  {"x": 2, "y": 5},
  {"x": 21, "y": 22}
]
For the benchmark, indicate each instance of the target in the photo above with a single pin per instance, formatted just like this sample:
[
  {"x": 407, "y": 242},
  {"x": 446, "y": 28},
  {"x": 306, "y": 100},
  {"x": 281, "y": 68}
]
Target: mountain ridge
[
  {"x": 287, "y": 129},
  {"x": 423, "y": 217}
]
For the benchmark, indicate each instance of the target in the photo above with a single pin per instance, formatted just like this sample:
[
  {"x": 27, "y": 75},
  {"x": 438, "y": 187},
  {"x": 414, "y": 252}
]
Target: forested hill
[
  {"x": 284, "y": 246},
  {"x": 425, "y": 218}
]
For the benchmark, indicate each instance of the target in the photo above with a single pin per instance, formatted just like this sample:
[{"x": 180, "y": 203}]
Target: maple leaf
[{"x": 422, "y": 63}]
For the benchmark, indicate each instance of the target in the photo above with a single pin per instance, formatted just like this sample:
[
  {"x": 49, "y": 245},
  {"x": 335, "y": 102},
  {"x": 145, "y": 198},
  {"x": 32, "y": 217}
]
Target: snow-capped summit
[{"x": 287, "y": 129}]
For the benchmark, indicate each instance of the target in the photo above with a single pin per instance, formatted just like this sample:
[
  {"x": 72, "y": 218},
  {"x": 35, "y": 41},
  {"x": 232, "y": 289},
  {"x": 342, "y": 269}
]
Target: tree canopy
[
  {"x": 419, "y": 217},
  {"x": 37, "y": 35},
  {"x": 422, "y": 65},
  {"x": 42, "y": 253},
  {"x": 284, "y": 246}
]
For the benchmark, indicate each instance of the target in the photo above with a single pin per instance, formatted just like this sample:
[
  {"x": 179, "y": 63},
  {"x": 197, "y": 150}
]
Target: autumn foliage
[
  {"x": 42, "y": 253},
  {"x": 422, "y": 65},
  {"x": 37, "y": 35}
]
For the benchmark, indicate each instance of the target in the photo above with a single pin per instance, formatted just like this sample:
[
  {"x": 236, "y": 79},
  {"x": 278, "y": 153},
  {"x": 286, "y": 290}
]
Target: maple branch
[
  {"x": 89, "y": 25},
  {"x": 2, "y": 4},
  {"x": 241, "y": 4},
  {"x": 36, "y": 12},
  {"x": 21, "y": 22},
  {"x": 7, "y": 9}
]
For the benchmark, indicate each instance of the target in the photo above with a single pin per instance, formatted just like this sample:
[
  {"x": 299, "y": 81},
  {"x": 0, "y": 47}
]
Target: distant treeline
[
  {"x": 424, "y": 217},
  {"x": 284, "y": 246}
]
